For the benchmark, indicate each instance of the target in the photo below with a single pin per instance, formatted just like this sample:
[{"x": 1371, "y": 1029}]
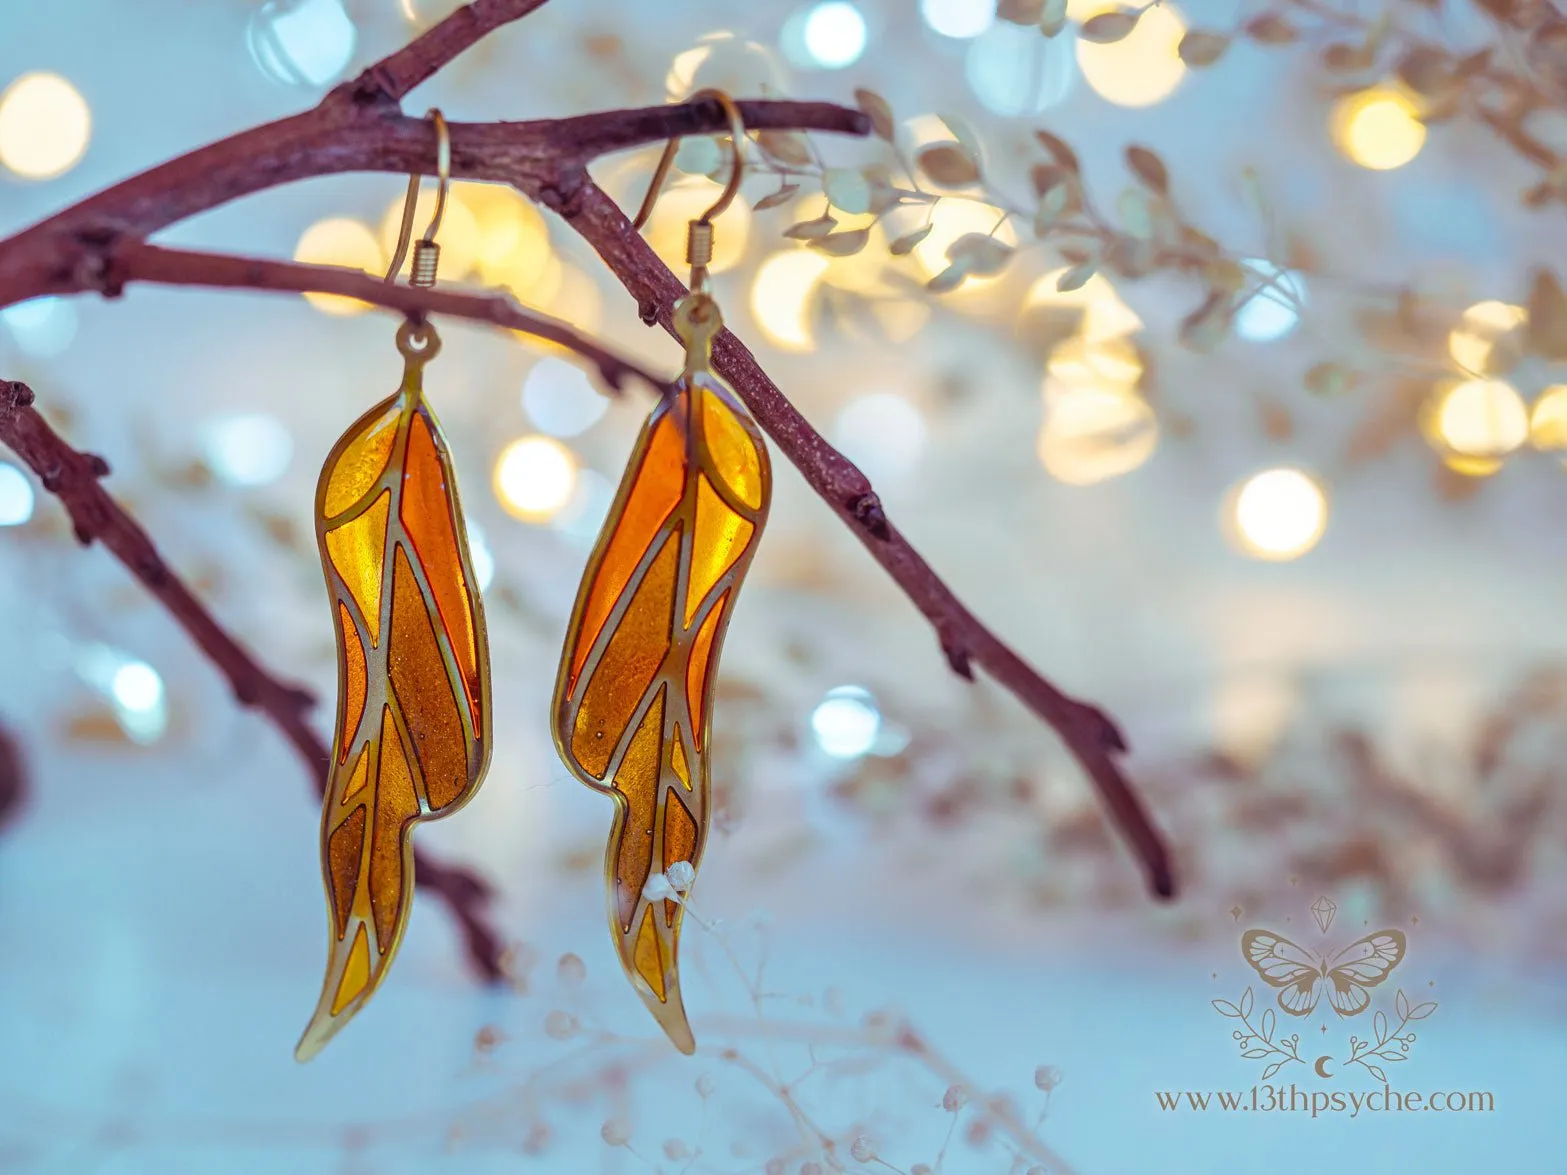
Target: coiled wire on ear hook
[
  {"x": 699, "y": 234},
  {"x": 427, "y": 254}
]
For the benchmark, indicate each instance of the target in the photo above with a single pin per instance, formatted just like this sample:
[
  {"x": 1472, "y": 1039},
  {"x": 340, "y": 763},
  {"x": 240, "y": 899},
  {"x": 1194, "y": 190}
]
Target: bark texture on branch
[
  {"x": 1088, "y": 732},
  {"x": 100, "y": 244},
  {"x": 134, "y": 261},
  {"x": 68, "y": 252}
]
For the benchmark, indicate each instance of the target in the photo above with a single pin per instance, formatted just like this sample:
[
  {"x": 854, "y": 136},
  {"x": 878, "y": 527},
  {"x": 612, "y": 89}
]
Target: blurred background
[{"x": 1258, "y": 445}]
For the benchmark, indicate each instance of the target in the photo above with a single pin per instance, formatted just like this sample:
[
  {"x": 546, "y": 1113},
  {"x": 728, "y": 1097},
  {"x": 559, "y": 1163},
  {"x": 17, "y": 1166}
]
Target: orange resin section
[
  {"x": 427, "y": 512},
  {"x": 626, "y": 669},
  {"x": 653, "y": 494}
]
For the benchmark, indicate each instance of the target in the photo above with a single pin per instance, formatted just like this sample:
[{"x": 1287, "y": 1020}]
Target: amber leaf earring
[
  {"x": 633, "y": 700},
  {"x": 413, "y": 719}
]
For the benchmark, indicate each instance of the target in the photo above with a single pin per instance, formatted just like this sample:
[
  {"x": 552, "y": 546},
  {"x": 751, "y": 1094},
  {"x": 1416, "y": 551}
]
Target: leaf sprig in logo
[{"x": 1303, "y": 977}]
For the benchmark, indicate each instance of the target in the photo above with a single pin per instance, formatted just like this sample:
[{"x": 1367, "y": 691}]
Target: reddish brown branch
[
  {"x": 13, "y": 777},
  {"x": 393, "y": 77},
  {"x": 133, "y": 261},
  {"x": 73, "y": 477},
  {"x": 99, "y": 244},
  {"x": 65, "y": 253},
  {"x": 1090, "y": 735}
]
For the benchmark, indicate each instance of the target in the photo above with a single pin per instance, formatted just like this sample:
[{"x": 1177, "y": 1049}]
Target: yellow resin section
[
  {"x": 358, "y": 551},
  {"x": 633, "y": 696},
  {"x": 355, "y": 975},
  {"x": 648, "y": 958},
  {"x": 722, "y": 536},
  {"x": 361, "y": 465},
  {"x": 734, "y": 452}
]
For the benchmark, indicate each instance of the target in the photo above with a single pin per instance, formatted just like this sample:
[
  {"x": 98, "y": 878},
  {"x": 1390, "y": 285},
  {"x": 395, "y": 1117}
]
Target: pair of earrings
[{"x": 632, "y": 710}]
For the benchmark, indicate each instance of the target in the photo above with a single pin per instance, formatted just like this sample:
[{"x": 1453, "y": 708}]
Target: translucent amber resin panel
[
  {"x": 413, "y": 715},
  {"x": 633, "y": 702}
]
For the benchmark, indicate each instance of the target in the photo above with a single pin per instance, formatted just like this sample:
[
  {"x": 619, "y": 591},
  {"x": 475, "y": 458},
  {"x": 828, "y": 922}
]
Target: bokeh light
[
  {"x": 1271, "y": 313},
  {"x": 579, "y": 302},
  {"x": 16, "y": 496},
  {"x": 341, "y": 241},
  {"x": 682, "y": 203},
  {"x": 1094, "y": 432},
  {"x": 45, "y": 126},
  {"x": 1479, "y": 418},
  {"x": 846, "y": 722},
  {"x": 1109, "y": 362},
  {"x": 1104, "y": 314},
  {"x": 1377, "y": 128},
  {"x": 1278, "y": 514},
  {"x": 41, "y": 327},
  {"x": 834, "y": 34},
  {"x": 133, "y": 687},
  {"x": 137, "y": 686},
  {"x": 534, "y": 478},
  {"x": 1548, "y": 420},
  {"x": 866, "y": 272},
  {"x": 730, "y": 63},
  {"x": 784, "y": 296},
  {"x": 959, "y": 19},
  {"x": 423, "y": 13},
  {"x": 920, "y": 130},
  {"x": 458, "y": 234},
  {"x": 951, "y": 219},
  {"x": 249, "y": 449},
  {"x": 301, "y": 42},
  {"x": 1485, "y": 327},
  {"x": 883, "y": 433},
  {"x": 583, "y": 515},
  {"x": 560, "y": 399},
  {"x": 513, "y": 241},
  {"x": 541, "y": 292},
  {"x": 138, "y": 696},
  {"x": 1143, "y": 68},
  {"x": 1014, "y": 71}
]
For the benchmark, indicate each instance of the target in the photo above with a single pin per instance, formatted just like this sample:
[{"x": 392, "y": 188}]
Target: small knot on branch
[
  {"x": 96, "y": 465},
  {"x": 868, "y": 512},
  {"x": 94, "y": 268},
  {"x": 958, "y": 658},
  {"x": 647, "y": 311},
  {"x": 13, "y": 776},
  {"x": 1102, "y": 728},
  {"x": 300, "y": 698},
  {"x": 373, "y": 88},
  {"x": 14, "y": 394}
]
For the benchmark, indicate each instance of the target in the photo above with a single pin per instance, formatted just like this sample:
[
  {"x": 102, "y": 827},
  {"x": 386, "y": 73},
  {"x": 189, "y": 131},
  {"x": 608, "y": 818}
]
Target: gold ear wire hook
[
  {"x": 699, "y": 236},
  {"x": 427, "y": 254}
]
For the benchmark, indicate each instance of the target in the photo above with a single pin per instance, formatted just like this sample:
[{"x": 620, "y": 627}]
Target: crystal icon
[{"x": 1323, "y": 910}]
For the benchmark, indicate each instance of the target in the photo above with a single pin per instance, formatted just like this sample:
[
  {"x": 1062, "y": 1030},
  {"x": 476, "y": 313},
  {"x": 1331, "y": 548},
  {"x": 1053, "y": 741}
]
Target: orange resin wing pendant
[
  {"x": 633, "y": 702},
  {"x": 413, "y": 718}
]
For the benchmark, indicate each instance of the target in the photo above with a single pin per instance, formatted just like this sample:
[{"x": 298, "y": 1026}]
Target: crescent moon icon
[{"x": 1320, "y": 1066}]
